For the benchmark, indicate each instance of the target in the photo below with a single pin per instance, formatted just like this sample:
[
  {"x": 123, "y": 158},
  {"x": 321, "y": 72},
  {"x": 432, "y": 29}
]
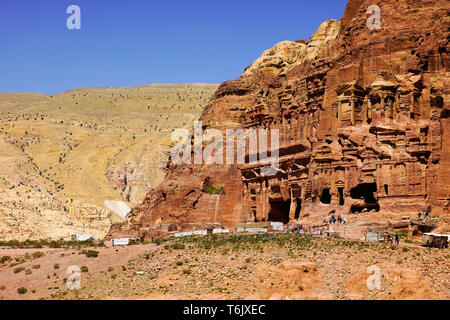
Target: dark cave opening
[
  {"x": 365, "y": 192},
  {"x": 341, "y": 196},
  {"x": 326, "y": 196},
  {"x": 298, "y": 208},
  {"x": 279, "y": 211}
]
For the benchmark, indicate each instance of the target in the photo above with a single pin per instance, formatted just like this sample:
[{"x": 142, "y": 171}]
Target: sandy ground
[
  {"x": 280, "y": 266},
  {"x": 46, "y": 280}
]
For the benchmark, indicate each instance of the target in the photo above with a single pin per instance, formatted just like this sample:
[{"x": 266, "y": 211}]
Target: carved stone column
[
  {"x": 339, "y": 115},
  {"x": 293, "y": 207},
  {"x": 352, "y": 115},
  {"x": 364, "y": 112}
]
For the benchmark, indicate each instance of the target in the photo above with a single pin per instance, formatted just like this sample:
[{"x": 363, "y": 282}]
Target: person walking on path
[{"x": 396, "y": 239}]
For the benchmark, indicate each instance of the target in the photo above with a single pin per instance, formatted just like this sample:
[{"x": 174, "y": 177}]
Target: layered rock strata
[{"x": 363, "y": 116}]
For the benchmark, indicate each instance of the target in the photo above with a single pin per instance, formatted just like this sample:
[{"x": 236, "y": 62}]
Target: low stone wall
[{"x": 349, "y": 232}]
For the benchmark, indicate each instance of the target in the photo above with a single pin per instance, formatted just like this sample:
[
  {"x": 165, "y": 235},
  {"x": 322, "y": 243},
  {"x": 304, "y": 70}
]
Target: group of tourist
[
  {"x": 299, "y": 228},
  {"x": 425, "y": 215},
  {"x": 333, "y": 219},
  {"x": 390, "y": 239}
]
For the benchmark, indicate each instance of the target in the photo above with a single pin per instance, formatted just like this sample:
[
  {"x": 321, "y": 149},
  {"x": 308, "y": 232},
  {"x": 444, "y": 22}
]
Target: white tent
[
  {"x": 437, "y": 235},
  {"x": 84, "y": 237},
  {"x": 121, "y": 242}
]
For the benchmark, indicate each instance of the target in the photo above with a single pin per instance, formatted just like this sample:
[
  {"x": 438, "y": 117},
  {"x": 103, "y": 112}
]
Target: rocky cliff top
[{"x": 286, "y": 54}]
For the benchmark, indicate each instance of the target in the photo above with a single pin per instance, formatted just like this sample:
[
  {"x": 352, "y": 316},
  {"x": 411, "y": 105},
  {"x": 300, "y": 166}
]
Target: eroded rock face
[
  {"x": 363, "y": 117},
  {"x": 287, "y": 54}
]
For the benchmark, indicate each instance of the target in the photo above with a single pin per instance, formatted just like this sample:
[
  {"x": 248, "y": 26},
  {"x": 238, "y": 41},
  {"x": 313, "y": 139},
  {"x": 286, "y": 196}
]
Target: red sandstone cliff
[{"x": 364, "y": 122}]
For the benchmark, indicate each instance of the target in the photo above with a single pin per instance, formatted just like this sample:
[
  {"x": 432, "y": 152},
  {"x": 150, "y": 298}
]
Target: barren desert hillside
[{"x": 63, "y": 155}]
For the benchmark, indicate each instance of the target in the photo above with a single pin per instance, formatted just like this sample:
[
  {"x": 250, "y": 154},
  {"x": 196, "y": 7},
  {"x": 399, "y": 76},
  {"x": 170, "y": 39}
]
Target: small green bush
[
  {"x": 213, "y": 190},
  {"x": 179, "y": 246},
  {"x": 207, "y": 245},
  {"x": 38, "y": 254},
  {"x": 84, "y": 269},
  {"x": 5, "y": 259},
  {"x": 19, "y": 269},
  {"x": 187, "y": 271},
  {"x": 92, "y": 254},
  {"x": 22, "y": 290}
]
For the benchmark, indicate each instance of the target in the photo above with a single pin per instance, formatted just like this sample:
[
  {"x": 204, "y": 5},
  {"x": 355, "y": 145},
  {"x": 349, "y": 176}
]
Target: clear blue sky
[{"x": 135, "y": 42}]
